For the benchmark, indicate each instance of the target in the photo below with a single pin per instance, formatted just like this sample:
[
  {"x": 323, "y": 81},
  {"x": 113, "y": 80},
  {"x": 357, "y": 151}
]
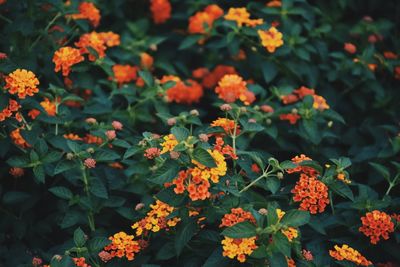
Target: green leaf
[
  {"x": 281, "y": 243},
  {"x": 166, "y": 173},
  {"x": 342, "y": 189},
  {"x": 73, "y": 146},
  {"x": 189, "y": 41},
  {"x": 287, "y": 164},
  {"x": 296, "y": 218},
  {"x": 105, "y": 155},
  {"x": 79, "y": 238},
  {"x": 98, "y": 188},
  {"x": 277, "y": 260},
  {"x": 269, "y": 71},
  {"x": 183, "y": 235},
  {"x": 51, "y": 157},
  {"x": 63, "y": 166},
  {"x": 147, "y": 77},
  {"x": 97, "y": 244},
  {"x": 38, "y": 171},
  {"x": 61, "y": 192},
  {"x": 382, "y": 170},
  {"x": 312, "y": 164},
  {"x": 203, "y": 157},
  {"x": 19, "y": 161},
  {"x": 131, "y": 151},
  {"x": 180, "y": 133},
  {"x": 71, "y": 218},
  {"x": 14, "y": 197},
  {"x": 273, "y": 184},
  {"x": 240, "y": 230}
]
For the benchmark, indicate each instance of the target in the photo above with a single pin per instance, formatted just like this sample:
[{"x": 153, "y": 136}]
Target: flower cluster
[
  {"x": 228, "y": 125},
  {"x": 311, "y": 193},
  {"x": 347, "y": 253},
  {"x": 202, "y": 21},
  {"x": 65, "y": 57},
  {"x": 237, "y": 247},
  {"x": 160, "y": 10},
  {"x": 271, "y": 39},
  {"x": 232, "y": 87},
  {"x": 124, "y": 73},
  {"x": 22, "y": 82},
  {"x": 8, "y": 111},
  {"x": 242, "y": 17},
  {"x": 169, "y": 143},
  {"x": 290, "y": 232},
  {"x": 196, "y": 180},
  {"x": 156, "y": 219},
  {"x": 122, "y": 245},
  {"x": 304, "y": 169},
  {"x": 17, "y": 138},
  {"x": 89, "y": 11},
  {"x": 80, "y": 262},
  {"x": 209, "y": 79},
  {"x": 376, "y": 224},
  {"x": 182, "y": 92},
  {"x": 298, "y": 94}
]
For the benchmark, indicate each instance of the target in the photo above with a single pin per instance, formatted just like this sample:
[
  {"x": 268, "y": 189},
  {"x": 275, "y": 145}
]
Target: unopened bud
[
  {"x": 139, "y": 206},
  {"x": 268, "y": 121},
  {"x": 90, "y": 150},
  {"x": 174, "y": 154},
  {"x": 295, "y": 111},
  {"x": 70, "y": 156},
  {"x": 194, "y": 112},
  {"x": 279, "y": 175},
  {"x": 263, "y": 211},
  {"x": 203, "y": 137},
  {"x": 171, "y": 121},
  {"x": 330, "y": 124}
]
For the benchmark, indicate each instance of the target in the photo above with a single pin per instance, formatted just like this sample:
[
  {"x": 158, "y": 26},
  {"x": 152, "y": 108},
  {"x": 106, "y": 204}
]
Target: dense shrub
[{"x": 199, "y": 133}]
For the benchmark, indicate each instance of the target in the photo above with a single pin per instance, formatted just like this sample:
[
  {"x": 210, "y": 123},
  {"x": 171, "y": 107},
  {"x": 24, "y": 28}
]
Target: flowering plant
[{"x": 199, "y": 133}]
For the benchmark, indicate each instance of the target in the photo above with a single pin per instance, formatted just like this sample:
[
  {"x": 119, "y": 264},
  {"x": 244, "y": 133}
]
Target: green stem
[
  {"x": 5, "y": 19},
  {"x": 331, "y": 202},
  {"x": 392, "y": 184},
  {"x": 45, "y": 30},
  {"x": 86, "y": 188},
  {"x": 264, "y": 175}
]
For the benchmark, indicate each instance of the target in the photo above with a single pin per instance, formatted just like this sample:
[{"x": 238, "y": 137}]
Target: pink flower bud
[
  {"x": 203, "y": 137},
  {"x": 105, "y": 256},
  {"x": 90, "y": 163},
  {"x": 174, "y": 154},
  {"x": 252, "y": 121},
  {"x": 267, "y": 108},
  {"x": 225, "y": 107},
  {"x": 171, "y": 121},
  {"x": 111, "y": 134},
  {"x": 152, "y": 152},
  {"x": 37, "y": 261},
  {"x": 91, "y": 120},
  {"x": 17, "y": 172},
  {"x": 117, "y": 125},
  {"x": 139, "y": 206}
]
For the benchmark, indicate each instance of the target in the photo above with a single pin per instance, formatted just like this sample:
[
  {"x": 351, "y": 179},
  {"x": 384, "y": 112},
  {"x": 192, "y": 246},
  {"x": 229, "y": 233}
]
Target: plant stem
[
  {"x": 86, "y": 188},
  {"x": 264, "y": 175},
  {"x": 331, "y": 203},
  {"x": 392, "y": 184},
  {"x": 45, "y": 30}
]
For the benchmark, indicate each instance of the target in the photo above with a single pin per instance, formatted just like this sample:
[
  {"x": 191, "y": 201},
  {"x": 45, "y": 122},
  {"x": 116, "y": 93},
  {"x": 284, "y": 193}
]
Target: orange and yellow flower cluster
[
  {"x": 88, "y": 11},
  {"x": 311, "y": 193},
  {"x": 182, "y": 92},
  {"x": 209, "y": 79},
  {"x": 376, "y": 224},
  {"x": 156, "y": 219},
  {"x": 122, "y": 245},
  {"x": 298, "y": 94},
  {"x": 22, "y": 82},
  {"x": 242, "y": 17},
  {"x": 347, "y": 253},
  {"x": 160, "y": 10},
  {"x": 228, "y": 125},
  {"x": 237, "y": 247},
  {"x": 271, "y": 39},
  {"x": 196, "y": 180},
  {"x": 232, "y": 87},
  {"x": 169, "y": 143},
  {"x": 202, "y": 22}
]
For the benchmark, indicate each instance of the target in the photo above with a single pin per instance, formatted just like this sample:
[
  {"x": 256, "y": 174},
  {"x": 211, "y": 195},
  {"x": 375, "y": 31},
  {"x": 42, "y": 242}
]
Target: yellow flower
[
  {"x": 291, "y": 233},
  {"x": 239, "y": 247},
  {"x": 169, "y": 143},
  {"x": 271, "y": 39},
  {"x": 242, "y": 16}
]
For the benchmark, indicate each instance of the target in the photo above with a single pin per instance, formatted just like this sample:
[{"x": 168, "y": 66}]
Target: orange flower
[
  {"x": 227, "y": 124},
  {"x": 271, "y": 39},
  {"x": 238, "y": 247},
  {"x": 376, "y": 224},
  {"x": 7, "y": 112},
  {"x": 305, "y": 169},
  {"x": 17, "y": 138},
  {"x": 89, "y": 11},
  {"x": 290, "y": 262},
  {"x": 199, "y": 21},
  {"x": 224, "y": 149},
  {"x": 210, "y": 79},
  {"x": 185, "y": 93},
  {"x": 204, "y": 18},
  {"x": 242, "y": 17},
  {"x": 124, "y": 73},
  {"x": 232, "y": 87},
  {"x": 289, "y": 99},
  {"x": 350, "y": 48},
  {"x": 156, "y": 219},
  {"x": 16, "y": 172},
  {"x": 237, "y": 215},
  {"x": 65, "y": 57},
  {"x": 22, "y": 82},
  {"x": 49, "y": 106},
  {"x": 94, "y": 41},
  {"x": 110, "y": 39},
  {"x": 33, "y": 113},
  {"x": 72, "y": 136},
  {"x": 274, "y": 3},
  {"x": 122, "y": 245},
  {"x": 320, "y": 103},
  {"x": 304, "y": 91},
  {"x": 80, "y": 262},
  {"x": 347, "y": 253},
  {"x": 312, "y": 193},
  {"x": 342, "y": 177},
  {"x": 146, "y": 61},
  {"x": 389, "y": 55},
  {"x": 160, "y": 10},
  {"x": 292, "y": 118},
  {"x": 91, "y": 139}
]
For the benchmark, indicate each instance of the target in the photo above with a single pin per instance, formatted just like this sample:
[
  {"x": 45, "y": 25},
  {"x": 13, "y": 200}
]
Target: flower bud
[
  {"x": 70, "y": 156},
  {"x": 225, "y": 107},
  {"x": 174, "y": 154},
  {"x": 139, "y": 206},
  {"x": 203, "y": 137},
  {"x": 91, "y": 121},
  {"x": 171, "y": 121},
  {"x": 194, "y": 112},
  {"x": 279, "y": 175},
  {"x": 263, "y": 211},
  {"x": 90, "y": 150}
]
